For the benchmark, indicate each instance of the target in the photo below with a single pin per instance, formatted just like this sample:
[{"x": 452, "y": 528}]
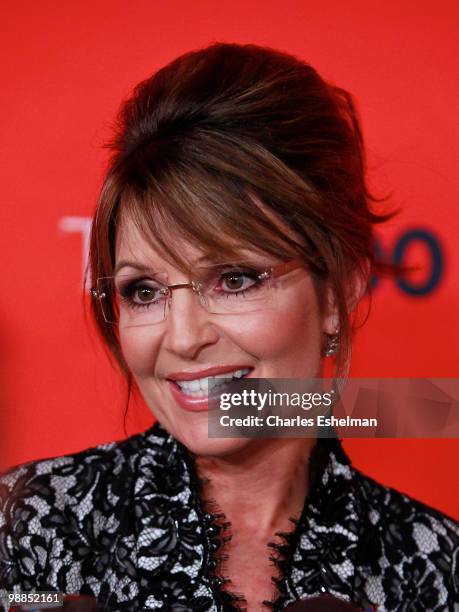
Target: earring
[{"x": 332, "y": 343}]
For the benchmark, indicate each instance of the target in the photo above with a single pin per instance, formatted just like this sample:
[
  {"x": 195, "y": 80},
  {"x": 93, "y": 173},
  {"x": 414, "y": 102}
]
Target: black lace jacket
[{"x": 125, "y": 522}]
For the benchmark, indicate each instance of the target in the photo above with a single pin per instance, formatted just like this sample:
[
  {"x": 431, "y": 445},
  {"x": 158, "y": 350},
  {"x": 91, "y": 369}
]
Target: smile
[{"x": 199, "y": 387}]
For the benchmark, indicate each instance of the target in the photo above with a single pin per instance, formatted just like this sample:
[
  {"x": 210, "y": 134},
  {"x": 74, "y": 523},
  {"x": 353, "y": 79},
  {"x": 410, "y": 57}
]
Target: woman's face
[{"x": 281, "y": 342}]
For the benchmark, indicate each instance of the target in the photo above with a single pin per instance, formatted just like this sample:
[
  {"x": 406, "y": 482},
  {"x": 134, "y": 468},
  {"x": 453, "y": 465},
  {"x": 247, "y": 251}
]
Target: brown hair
[{"x": 219, "y": 128}]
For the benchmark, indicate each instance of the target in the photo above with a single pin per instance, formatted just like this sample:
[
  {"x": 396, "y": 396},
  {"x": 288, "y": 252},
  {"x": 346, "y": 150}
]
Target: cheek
[
  {"x": 140, "y": 351},
  {"x": 293, "y": 328}
]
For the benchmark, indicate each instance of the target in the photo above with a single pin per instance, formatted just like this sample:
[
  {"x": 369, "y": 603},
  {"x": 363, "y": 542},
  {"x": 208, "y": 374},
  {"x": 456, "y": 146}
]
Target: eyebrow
[{"x": 124, "y": 263}]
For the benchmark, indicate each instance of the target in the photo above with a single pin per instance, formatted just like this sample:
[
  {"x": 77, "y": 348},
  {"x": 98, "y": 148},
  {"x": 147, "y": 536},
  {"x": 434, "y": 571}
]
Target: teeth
[
  {"x": 200, "y": 386},
  {"x": 240, "y": 373}
]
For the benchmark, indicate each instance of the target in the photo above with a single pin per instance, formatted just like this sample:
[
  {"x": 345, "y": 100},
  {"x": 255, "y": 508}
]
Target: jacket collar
[{"x": 177, "y": 531}]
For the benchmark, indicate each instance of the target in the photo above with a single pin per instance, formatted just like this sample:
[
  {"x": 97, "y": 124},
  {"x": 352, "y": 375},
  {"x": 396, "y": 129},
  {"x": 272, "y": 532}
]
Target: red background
[{"x": 66, "y": 68}]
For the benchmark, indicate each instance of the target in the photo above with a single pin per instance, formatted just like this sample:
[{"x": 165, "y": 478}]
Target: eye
[
  {"x": 144, "y": 293},
  {"x": 234, "y": 281},
  {"x": 141, "y": 293},
  {"x": 237, "y": 280}
]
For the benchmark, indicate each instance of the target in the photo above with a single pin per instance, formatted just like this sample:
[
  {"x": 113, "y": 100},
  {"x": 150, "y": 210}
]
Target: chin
[
  {"x": 194, "y": 435},
  {"x": 216, "y": 447}
]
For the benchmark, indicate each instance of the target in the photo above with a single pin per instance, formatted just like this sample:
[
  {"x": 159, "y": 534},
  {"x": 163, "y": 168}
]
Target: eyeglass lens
[{"x": 143, "y": 298}]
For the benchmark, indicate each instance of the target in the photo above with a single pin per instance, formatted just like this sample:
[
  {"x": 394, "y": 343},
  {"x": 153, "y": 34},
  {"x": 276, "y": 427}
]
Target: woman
[{"x": 233, "y": 236}]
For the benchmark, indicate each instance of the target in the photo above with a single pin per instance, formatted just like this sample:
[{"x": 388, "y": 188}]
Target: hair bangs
[{"x": 215, "y": 215}]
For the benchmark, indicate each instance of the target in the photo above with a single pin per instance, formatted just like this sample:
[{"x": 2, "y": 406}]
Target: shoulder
[
  {"x": 407, "y": 542},
  {"x": 55, "y": 514},
  {"x": 51, "y": 509},
  {"x": 389, "y": 504},
  {"x": 96, "y": 474},
  {"x": 66, "y": 477}
]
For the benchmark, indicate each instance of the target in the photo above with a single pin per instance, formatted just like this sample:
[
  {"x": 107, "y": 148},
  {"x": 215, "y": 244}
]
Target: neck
[{"x": 260, "y": 486}]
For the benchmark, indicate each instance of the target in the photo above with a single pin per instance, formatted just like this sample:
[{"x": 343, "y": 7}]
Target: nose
[{"x": 189, "y": 328}]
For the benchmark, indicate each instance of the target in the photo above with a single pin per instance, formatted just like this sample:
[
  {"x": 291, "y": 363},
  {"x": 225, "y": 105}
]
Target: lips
[
  {"x": 190, "y": 389},
  {"x": 211, "y": 371}
]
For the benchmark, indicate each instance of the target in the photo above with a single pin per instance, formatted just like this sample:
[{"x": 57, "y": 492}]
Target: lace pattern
[{"x": 125, "y": 522}]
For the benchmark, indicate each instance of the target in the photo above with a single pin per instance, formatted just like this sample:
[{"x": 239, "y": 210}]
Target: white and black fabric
[{"x": 125, "y": 522}]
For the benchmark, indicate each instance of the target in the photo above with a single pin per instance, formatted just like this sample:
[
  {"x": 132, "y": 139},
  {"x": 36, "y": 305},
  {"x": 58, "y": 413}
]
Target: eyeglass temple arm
[{"x": 285, "y": 268}]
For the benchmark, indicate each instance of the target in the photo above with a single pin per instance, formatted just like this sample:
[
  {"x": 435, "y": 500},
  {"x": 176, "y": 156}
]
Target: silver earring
[{"x": 332, "y": 343}]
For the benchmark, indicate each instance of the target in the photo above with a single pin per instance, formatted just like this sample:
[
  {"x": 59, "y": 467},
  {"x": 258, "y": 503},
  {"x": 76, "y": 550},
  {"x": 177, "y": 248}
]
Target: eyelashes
[{"x": 228, "y": 283}]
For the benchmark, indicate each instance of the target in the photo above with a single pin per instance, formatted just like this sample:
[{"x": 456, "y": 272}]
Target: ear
[
  {"x": 331, "y": 312},
  {"x": 356, "y": 286}
]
